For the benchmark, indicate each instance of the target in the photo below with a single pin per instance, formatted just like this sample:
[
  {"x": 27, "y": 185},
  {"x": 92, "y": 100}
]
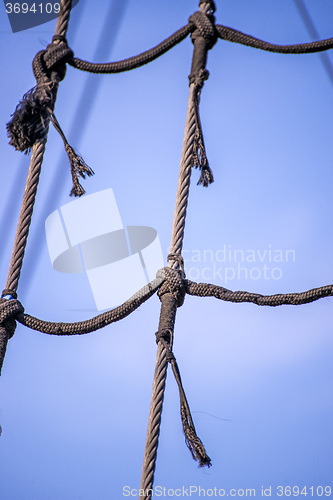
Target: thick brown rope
[
  {"x": 223, "y": 32},
  {"x": 100, "y": 321},
  {"x": 30, "y": 192}
]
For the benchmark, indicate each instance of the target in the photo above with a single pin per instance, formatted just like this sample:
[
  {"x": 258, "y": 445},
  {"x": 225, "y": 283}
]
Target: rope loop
[
  {"x": 164, "y": 336},
  {"x": 9, "y": 309},
  {"x": 8, "y": 292},
  {"x": 174, "y": 283}
]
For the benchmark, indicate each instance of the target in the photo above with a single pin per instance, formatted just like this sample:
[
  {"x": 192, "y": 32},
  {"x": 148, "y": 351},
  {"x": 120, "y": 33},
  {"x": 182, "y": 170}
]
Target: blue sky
[{"x": 259, "y": 380}]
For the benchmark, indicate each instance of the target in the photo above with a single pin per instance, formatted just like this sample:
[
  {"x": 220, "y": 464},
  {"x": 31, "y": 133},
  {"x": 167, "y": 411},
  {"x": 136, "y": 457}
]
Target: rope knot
[
  {"x": 31, "y": 118},
  {"x": 204, "y": 28},
  {"x": 8, "y": 311},
  {"x": 174, "y": 284},
  {"x": 33, "y": 114}
]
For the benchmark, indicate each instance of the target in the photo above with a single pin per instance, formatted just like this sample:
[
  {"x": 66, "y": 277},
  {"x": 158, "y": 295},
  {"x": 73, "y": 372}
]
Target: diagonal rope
[{"x": 30, "y": 192}]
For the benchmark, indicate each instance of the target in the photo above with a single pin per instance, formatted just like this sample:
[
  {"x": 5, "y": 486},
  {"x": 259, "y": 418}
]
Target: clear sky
[{"x": 259, "y": 380}]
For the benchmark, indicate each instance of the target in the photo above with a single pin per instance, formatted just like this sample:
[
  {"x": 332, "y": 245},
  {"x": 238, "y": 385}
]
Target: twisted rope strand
[{"x": 24, "y": 221}]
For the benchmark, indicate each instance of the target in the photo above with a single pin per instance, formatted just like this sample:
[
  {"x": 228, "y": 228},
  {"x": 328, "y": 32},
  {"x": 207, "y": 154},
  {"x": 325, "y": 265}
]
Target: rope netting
[{"x": 28, "y": 130}]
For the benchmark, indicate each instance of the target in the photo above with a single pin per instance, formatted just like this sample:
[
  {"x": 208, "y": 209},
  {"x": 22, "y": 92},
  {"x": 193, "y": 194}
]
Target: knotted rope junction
[{"x": 28, "y": 130}]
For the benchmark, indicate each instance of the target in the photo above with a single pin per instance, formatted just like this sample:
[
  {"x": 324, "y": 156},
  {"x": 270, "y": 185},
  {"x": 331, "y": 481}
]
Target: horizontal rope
[
  {"x": 135, "y": 61},
  {"x": 224, "y": 32},
  {"x": 208, "y": 290},
  {"x": 91, "y": 325},
  {"x": 232, "y": 35}
]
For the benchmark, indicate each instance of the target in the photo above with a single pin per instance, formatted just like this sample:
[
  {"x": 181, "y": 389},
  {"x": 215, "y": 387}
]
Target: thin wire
[{"x": 312, "y": 31}]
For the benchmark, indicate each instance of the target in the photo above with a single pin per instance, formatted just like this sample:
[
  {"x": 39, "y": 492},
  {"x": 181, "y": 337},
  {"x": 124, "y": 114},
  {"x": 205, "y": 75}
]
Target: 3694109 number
[
  {"x": 35, "y": 8},
  {"x": 311, "y": 491}
]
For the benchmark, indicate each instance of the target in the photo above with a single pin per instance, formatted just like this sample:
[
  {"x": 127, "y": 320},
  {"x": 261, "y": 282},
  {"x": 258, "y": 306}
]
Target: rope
[
  {"x": 207, "y": 290},
  {"x": 232, "y": 35},
  {"x": 28, "y": 129},
  {"x": 168, "y": 300},
  {"x": 135, "y": 61},
  {"x": 100, "y": 321},
  {"x": 9, "y": 309}
]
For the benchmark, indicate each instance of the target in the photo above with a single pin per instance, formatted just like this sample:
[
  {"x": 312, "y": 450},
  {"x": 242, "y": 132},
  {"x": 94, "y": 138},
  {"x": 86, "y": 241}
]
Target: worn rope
[
  {"x": 208, "y": 290},
  {"x": 224, "y": 33},
  {"x": 49, "y": 69},
  {"x": 154, "y": 420},
  {"x": 99, "y": 321}
]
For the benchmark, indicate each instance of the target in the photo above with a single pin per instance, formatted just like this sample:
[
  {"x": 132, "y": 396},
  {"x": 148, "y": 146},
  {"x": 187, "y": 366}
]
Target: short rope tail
[
  {"x": 204, "y": 38},
  {"x": 78, "y": 165},
  {"x": 8, "y": 310},
  {"x": 192, "y": 440}
]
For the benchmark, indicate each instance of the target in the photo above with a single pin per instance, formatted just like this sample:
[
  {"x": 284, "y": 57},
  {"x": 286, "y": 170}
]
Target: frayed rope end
[
  {"x": 193, "y": 442},
  {"x": 199, "y": 160},
  {"x": 30, "y": 120},
  {"x": 78, "y": 168}
]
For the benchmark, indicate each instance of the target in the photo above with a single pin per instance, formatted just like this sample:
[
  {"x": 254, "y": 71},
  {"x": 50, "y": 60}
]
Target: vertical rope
[
  {"x": 167, "y": 321},
  {"x": 184, "y": 180},
  {"x": 30, "y": 192},
  {"x": 168, "y": 302},
  {"x": 168, "y": 305},
  {"x": 29, "y": 197}
]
